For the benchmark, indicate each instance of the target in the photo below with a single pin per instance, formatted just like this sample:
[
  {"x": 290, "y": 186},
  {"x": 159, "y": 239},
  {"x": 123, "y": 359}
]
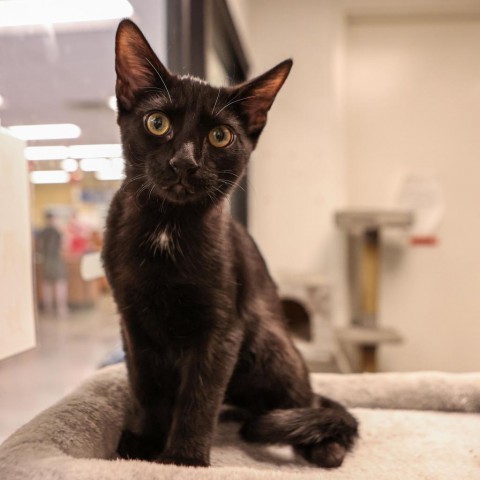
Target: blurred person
[
  {"x": 54, "y": 285},
  {"x": 78, "y": 236}
]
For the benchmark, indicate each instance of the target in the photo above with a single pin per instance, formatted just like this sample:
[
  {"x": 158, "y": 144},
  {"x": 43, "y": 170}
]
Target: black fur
[{"x": 201, "y": 319}]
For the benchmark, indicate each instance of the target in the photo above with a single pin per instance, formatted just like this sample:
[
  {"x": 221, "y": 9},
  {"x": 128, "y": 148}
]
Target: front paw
[
  {"x": 182, "y": 460},
  {"x": 137, "y": 447}
]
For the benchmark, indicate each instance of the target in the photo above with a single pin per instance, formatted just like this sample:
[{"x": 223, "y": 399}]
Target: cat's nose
[{"x": 183, "y": 165}]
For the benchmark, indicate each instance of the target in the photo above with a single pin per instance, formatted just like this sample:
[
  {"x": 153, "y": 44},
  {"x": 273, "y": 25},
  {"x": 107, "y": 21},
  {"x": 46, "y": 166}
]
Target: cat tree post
[{"x": 364, "y": 229}]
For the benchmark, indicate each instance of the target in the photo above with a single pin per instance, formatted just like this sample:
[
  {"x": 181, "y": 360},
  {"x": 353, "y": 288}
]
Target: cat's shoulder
[{"x": 243, "y": 242}]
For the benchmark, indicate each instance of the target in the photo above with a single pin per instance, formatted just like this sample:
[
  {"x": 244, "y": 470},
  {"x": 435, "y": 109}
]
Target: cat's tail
[{"x": 322, "y": 434}]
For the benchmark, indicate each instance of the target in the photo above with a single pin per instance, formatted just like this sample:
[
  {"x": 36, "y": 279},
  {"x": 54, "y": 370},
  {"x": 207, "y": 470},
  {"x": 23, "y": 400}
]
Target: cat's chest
[
  {"x": 164, "y": 243},
  {"x": 180, "y": 283},
  {"x": 168, "y": 255}
]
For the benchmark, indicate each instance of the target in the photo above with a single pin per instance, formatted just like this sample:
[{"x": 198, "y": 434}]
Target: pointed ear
[
  {"x": 136, "y": 65},
  {"x": 259, "y": 95}
]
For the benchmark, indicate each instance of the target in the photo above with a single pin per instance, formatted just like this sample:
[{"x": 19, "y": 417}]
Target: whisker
[
  {"x": 223, "y": 194},
  {"x": 137, "y": 177},
  {"x": 230, "y": 98},
  {"x": 234, "y": 175},
  {"x": 215, "y": 104},
  {"x": 160, "y": 77},
  {"x": 211, "y": 197},
  {"x": 232, "y": 102},
  {"x": 233, "y": 184},
  {"x": 229, "y": 172},
  {"x": 141, "y": 189},
  {"x": 150, "y": 192},
  {"x": 159, "y": 91}
]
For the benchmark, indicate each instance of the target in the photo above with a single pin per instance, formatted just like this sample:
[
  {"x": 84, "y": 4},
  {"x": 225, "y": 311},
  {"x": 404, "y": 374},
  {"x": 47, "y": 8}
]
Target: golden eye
[
  {"x": 220, "y": 136},
  {"x": 158, "y": 124}
]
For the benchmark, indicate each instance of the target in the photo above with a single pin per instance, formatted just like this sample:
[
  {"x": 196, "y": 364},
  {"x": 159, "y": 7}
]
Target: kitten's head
[{"x": 185, "y": 141}]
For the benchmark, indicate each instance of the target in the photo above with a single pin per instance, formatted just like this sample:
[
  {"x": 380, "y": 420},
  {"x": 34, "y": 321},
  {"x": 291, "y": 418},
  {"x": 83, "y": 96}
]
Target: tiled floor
[{"x": 68, "y": 350}]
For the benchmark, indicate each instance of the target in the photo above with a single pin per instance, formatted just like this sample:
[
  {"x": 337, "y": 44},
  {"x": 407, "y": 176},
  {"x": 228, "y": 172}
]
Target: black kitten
[{"x": 201, "y": 319}]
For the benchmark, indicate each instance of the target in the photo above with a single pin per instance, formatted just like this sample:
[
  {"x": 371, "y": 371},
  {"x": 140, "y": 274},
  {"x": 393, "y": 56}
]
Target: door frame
[{"x": 192, "y": 27}]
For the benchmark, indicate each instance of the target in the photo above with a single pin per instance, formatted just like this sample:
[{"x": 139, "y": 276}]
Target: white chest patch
[{"x": 164, "y": 240}]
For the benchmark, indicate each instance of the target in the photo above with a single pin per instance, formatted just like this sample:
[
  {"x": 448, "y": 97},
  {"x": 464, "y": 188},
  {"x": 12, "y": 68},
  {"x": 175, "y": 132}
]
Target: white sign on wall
[
  {"x": 17, "y": 320},
  {"x": 422, "y": 194}
]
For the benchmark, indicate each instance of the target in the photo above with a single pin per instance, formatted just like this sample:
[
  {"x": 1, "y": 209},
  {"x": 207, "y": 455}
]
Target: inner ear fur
[
  {"x": 136, "y": 64},
  {"x": 260, "y": 93}
]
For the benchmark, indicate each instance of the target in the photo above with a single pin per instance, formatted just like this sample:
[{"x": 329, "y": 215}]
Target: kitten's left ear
[
  {"x": 259, "y": 95},
  {"x": 136, "y": 65}
]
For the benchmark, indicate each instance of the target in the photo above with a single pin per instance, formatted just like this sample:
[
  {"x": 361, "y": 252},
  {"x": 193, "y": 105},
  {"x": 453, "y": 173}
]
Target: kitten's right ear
[{"x": 136, "y": 65}]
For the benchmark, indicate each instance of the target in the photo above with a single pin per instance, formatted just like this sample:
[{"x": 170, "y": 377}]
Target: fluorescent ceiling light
[
  {"x": 46, "y": 132},
  {"x": 16, "y": 13},
  {"x": 93, "y": 164},
  {"x": 118, "y": 163},
  {"x": 109, "y": 175},
  {"x": 59, "y": 152},
  {"x": 49, "y": 176},
  {"x": 69, "y": 165},
  {"x": 46, "y": 153},
  {"x": 113, "y": 169},
  {"x": 95, "y": 151}
]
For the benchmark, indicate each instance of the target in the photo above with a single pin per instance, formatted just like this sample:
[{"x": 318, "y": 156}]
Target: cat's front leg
[
  {"x": 153, "y": 384},
  {"x": 205, "y": 374}
]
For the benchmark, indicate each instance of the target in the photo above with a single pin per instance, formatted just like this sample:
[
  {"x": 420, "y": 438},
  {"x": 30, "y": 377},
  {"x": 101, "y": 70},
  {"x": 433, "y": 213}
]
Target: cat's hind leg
[{"x": 271, "y": 381}]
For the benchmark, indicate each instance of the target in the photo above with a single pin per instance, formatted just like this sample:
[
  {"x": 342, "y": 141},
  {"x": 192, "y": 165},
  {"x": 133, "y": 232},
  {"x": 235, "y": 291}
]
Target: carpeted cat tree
[{"x": 413, "y": 426}]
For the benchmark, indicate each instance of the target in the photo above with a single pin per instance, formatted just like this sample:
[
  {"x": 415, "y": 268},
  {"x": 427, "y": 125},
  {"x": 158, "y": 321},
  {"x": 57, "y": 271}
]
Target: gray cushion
[{"x": 76, "y": 438}]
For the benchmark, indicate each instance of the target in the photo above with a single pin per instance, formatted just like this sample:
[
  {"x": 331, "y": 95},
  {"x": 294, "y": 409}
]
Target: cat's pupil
[
  {"x": 219, "y": 135},
  {"x": 158, "y": 123}
]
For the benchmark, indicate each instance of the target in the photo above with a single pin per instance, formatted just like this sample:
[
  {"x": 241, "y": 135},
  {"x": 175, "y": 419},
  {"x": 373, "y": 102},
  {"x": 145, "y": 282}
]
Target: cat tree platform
[{"x": 413, "y": 426}]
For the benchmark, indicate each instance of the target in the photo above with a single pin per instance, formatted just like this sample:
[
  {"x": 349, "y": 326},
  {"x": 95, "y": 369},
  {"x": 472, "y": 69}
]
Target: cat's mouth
[
  {"x": 181, "y": 189},
  {"x": 180, "y": 192}
]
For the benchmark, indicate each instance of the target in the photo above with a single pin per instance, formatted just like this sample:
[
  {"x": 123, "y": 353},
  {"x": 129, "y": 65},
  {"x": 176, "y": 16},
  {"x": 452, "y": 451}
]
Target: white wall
[
  {"x": 151, "y": 17},
  {"x": 17, "y": 323},
  {"x": 297, "y": 174},
  {"x": 419, "y": 109},
  {"x": 414, "y": 106}
]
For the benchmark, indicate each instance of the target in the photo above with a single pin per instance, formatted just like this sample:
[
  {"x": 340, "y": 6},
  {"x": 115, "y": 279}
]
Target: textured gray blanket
[{"x": 433, "y": 434}]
